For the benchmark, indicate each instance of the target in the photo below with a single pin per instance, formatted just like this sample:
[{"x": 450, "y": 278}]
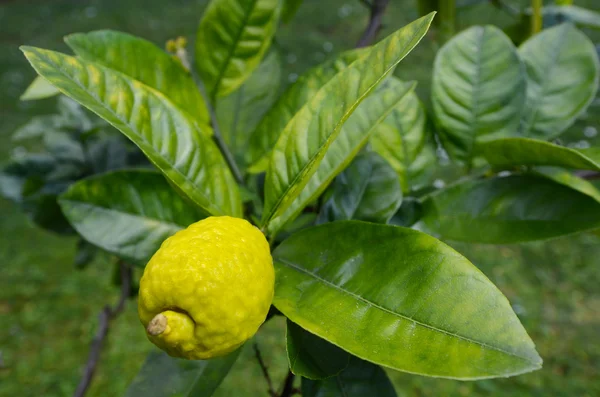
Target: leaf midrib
[{"x": 431, "y": 327}]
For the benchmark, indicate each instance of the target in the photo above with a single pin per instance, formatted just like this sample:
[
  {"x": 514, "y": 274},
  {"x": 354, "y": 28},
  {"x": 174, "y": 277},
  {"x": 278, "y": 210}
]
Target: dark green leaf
[
  {"x": 85, "y": 253},
  {"x": 399, "y": 298},
  {"x": 353, "y": 136},
  {"x": 509, "y": 210},
  {"x": 289, "y": 103},
  {"x": 478, "y": 89},
  {"x": 170, "y": 138},
  {"x": 39, "y": 88},
  {"x": 409, "y": 212},
  {"x": 510, "y": 152},
  {"x": 127, "y": 213},
  {"x": 307, "y": 137},
  {"x": 142, "y": 61},
  {"x": 312, "y": 357},
  {"x": 164, "y": 376},
  {"x": 568, "y": 179},
  {"x": 368, "y": 190},
  {"x": 562, "y": 79},
  {"x": 578, "y": 15},
  {"x": 232, "y": 39},
  {"x": 290, "y": 8},
  {"x": 360, "y": 379}
]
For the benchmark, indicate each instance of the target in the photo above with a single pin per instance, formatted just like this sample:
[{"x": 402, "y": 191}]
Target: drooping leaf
[
  {"x": 289, "y": 103},
  {"x": 509, "y": 210},
  {"x": 240, "y": 112},
  {"x": 510, "y": 152},
  {"x": 142, "y": 61},
  {"x": 353, "y": 136},
  {"x": 127, "y": 213},
  {"x": 478, "y": 89},
  {"x": 164, "y": 376},
  {"x": 232, "y": 39},
  {"x": 562, "y": 80},
  {"x": 566, "y": 178},
  {"x": 170, "y": 138},
  {"x": 39, "y": 88},
  {"x": 399, "y": 298},
  {"x": 307, "y": 137},
  {"x": 290, "y": 8},
  {"x": 312, "y": 357},
  {"x": 368, "y": 190},
  {"x": 360, "y": 379}
]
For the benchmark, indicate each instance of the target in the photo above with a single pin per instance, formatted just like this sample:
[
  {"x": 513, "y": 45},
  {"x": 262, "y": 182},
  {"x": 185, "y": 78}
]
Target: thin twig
[
  {"x": 265, "y": 370},
  {"x": 288, "y": 385},
  {"x": 374, "y": 26},
  {"x": 106, "y": 315}
]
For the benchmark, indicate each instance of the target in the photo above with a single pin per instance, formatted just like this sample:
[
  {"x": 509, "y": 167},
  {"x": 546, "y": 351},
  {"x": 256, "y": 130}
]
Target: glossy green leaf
[
  {"x": 353, "y": 136},
  {"x": 312, "y": 357},
  {"x": 306, "y": 138},
  {"x": 232, "y": 39},
  {"x": 290, "y": 8},
  {"x": 509, "y": 210},
  {"x": 399, "y": 298},
  {"x": 368, "y": 190},
  {"x": 289, "y": 103},
  {"x": 170, "y": 138},
  {"x": 360, "y": 379},
  {"x": 164, "y": 376},
  {"x": 478, "y": 89},
  {"x": 566, "y": 178},
  {"x": 142, "y": 61},
  {"x": 39, "y": 88},
  {"x": 510, "y": 152},
  {"x": 240, "y": 112},
  {"x": 127, "y": 213},
  {"x": 562, "y": 79}
]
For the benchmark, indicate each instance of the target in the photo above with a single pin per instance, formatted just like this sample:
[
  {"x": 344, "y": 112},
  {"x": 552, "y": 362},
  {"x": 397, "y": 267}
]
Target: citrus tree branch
[
  {"x": 288, "y": 385},
  {"x": 377, "y": 8},
  {"x": 265, "y": 370},
  {"x": 106, "y": 316}
]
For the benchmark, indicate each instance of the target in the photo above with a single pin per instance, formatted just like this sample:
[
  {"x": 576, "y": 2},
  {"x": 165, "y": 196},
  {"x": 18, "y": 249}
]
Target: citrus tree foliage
[{"x": 335, "y": 169}]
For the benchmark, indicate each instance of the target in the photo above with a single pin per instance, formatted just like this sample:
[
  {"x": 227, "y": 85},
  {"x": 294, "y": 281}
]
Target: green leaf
[
  {"x": 510, "y": 152},
  {"x": 39, "y": 88},
  {"x": 289, "y": 103},
  {"x": 478, "y": 89},
  {"x": 306, "y": 138},
  {"x": 578, "y": 15},
  {"x": 164, "y": 376},
  {"x": 409, "y": 212},
  {"x": 240, "y": 112},
  {"x": 353, "y": 136},
  {"x": 232, "y": 39},
  {"x": 368, "y": 190},
  {"x": 85, "y": 253},
  {"x": 312, "y": 357},
  {"x": 562, "y": 79},
  {"x": 402, "y": 139},
  {"x": 509, "y": 210},
  {"x": 566, "y": 178},
  {"x": 142, "y": 61},
  {"x": 360, "y": 379},
  {"x": 170, "y": 138},
  {"x": 399, "y": 298},
  {"x": 290, "y": 8},
  {"x": 127, "y": 213}
]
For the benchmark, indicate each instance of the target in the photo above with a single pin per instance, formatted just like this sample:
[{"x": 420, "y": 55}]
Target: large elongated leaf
[
  {"x": 360, "y": 379},
  {"x": 399, "y": 298},
  {"x": 164, "y": 376},
  {"x": 265, "y": 135},
  {"x": 240, "y": 112},
  {"x": 509, "y": 210},
  {"x": 232, "y": 38},
  {"x": 306, "y": 138},
  {"x": 312, "y": 357},
  {"x": 562, "y": 79},
  {"x": 509, "y": 152},
  {"x": 368, "y": 190},
  {"x": 128, "y": 213},
  {"x": 478, "y": 89},
  {"x": 170, "y": 138},
  {"x": 142, "y": 61},
  {"x": 353, "y": 136}
]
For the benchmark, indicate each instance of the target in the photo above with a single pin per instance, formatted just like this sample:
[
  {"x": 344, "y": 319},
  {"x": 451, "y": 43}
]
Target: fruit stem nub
[{"x": 157, "y": 325}]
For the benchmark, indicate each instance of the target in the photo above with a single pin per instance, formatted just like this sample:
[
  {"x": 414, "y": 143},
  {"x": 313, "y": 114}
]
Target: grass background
[{"x": 49, "y": 309}]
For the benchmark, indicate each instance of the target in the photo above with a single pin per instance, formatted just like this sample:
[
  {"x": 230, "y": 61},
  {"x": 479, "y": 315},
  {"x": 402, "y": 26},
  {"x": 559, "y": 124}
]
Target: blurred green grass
[{"x": 49, "y": 310}]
